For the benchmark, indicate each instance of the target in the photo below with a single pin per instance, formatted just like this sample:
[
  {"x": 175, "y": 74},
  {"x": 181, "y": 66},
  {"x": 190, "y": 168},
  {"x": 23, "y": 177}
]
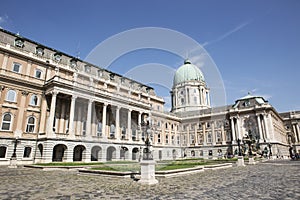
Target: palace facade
[{"x": 56, "y": 107}]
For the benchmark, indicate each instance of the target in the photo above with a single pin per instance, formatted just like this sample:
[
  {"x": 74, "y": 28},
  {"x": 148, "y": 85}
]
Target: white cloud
[
  {"x": 3, "y": 19},
  {"x": 225, "y": 35}
]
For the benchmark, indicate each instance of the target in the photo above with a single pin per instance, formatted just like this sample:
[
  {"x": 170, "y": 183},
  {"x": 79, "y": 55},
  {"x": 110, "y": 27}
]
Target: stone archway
[
  {"x": 174, "y": 154},
  {"x": 40, "y": 151},
  {"x": 59, "y": 151},
  {"x": 78, "y": 153},
  {"x": 111, "y": 153},
  {"x": 96, "y": 153},
  {"x": 135, "y": 153}
]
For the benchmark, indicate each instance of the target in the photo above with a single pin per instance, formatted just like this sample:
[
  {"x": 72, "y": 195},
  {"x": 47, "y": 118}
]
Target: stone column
[
  {"x": 208, "y": 98},
  {"x": 213, "y": 132},
  {"x": 233, "y": 131},
  {"x": 118, "y": 135},
  {"x": 61, "y": 127},
  {"x": 52, "y": 114},
  {"x": 204, "y": 134},
  {"x": 43, "y": 121},
  {"x": 72, "y": 112},
  {"x": 129, "y": 124},
  {"x": 239, "y": 128},
  {"x": 5, "y": 59},
  {"x": 188, "y": 137},
  {"x": 223, "y": 135},
  {"x": 271, "y": 130},
  {"x": 28, "y": 67},
  {"x": 259, "y": 129},
  {"x": 104, "y": 120},
  {"x": 266, "y": 128},
  {"x": 19, "y": 129},
  {"x": 200, "y": 96},
  {"x": 297, "y": 134},
  {"x": 79, "y": 123},
  {"x": 89, "y": 118}
]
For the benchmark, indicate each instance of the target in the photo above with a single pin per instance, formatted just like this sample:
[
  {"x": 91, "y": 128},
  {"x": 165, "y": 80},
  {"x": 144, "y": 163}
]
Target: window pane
[
  {"x": 11, "y": 95},
  {"x": 16, "y": 67},
  {"x": 31, "y": 120},
  {"x": 7, "y": 118},
  {"x": 34, "y": 100},
  {"x": 38, "y": 74},
  {"x": 5, "y": 126}
]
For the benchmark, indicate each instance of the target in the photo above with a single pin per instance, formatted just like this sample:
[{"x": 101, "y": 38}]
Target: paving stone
[{"x": 268, "y": 180}]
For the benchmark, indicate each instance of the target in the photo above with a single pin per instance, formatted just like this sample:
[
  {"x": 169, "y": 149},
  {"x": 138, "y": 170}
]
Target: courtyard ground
[{"x": 267, "y": 180}]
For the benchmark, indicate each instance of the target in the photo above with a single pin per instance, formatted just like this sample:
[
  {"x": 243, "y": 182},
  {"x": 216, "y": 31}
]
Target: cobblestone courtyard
[{"x": 268, "y": 180}]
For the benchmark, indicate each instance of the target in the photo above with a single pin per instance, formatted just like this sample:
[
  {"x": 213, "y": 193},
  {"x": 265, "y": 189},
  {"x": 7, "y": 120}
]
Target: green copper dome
[{"x": 187, "y": 72}]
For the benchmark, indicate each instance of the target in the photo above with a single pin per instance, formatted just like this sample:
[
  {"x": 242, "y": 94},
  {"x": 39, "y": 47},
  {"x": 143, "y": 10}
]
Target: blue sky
[{"x": 255, "y": 44}]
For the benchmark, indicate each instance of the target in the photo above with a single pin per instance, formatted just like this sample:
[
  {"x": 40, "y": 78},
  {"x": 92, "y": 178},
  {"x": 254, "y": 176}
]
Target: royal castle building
[{"x": 56, "y": 107}]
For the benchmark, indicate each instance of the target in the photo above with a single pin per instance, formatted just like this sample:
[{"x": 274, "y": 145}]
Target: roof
[{"x": 188, "y": 72}]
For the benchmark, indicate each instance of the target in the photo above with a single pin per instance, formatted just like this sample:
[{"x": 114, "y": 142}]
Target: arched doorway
[
  {"x": 174, "y": 153},
  {"x": 78, "y": 152},
  {"x": 96, "y": 153},
  {"x": 135, "y": 153},
  {"x": 40, "y": 151},
  {"x": 59, "y": 152},
  {"x": 111, "y": 153},
  {"x": 123, "y": 153}
]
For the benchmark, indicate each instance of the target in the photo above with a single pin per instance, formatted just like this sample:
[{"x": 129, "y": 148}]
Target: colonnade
[
  {"x": 83, "y": 120},
  {"x": 263, "y": 128}
]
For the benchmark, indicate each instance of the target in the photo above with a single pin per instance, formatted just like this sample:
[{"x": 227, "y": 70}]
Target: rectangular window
[
  {"x": 158, "y": 138},
  {"x": 17, "y": 67},
  {"x": 38, "y": 73}
]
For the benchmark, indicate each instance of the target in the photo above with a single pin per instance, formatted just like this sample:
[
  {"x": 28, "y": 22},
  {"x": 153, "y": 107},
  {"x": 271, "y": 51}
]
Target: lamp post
[
  {"x": 147, "y": 164},
  {"x": 13, "y": 159},
  {"x": 270, "y": 154},
  {"x": 239, "y": 145},
  {"x": 146, "y": 129},
  {"x": 240, "y": 161},
  {"x": 15, "y": 142}
]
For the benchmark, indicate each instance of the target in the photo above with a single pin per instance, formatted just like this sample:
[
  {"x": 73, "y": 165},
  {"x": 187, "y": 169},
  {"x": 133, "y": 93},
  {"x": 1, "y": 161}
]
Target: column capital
[
  {"x": 91, "y": 101},
  {"x": 74, "y": 97},
  {"x": 105, "y": 104},
  {"x": 54, "y": 93}
]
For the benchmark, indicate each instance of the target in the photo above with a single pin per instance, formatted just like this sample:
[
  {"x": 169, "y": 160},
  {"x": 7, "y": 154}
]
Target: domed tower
[{"x": 189, "y": 90}]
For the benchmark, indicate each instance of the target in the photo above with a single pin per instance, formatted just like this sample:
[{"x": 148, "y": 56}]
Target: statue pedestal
[
  {"x": 251, "y": 161},
  {"x": 148, "y": 172},
  {"x": 240, "y": 161},
  {"x": 13, "y": 163}
]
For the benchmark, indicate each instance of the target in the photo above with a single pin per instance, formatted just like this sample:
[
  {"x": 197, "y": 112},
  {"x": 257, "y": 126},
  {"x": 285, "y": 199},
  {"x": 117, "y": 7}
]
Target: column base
[
  {"x": 251, "y": 161},
  {"x": 148, "y": 172},
  {"x": 13, "y": 163},
  {"x": 240, "y": 161}
]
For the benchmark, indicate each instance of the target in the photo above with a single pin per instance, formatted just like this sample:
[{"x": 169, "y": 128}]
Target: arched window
[
  {"x": 6, "y": 121},
  {"x": 11, "y": 96},
  {"x": 27, "y": 152},
  {"x": 30, "y": 124},
  {"x": 34, "y": 100}
]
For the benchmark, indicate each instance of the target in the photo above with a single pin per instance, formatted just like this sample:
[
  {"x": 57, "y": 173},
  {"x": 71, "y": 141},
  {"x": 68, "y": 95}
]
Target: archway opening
[
  {"x": 59, "y": 152},
  {"x": 96, "y": 153},
  {"x": 111, "y": 153},
  {"x": 78, "y": 152}
]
